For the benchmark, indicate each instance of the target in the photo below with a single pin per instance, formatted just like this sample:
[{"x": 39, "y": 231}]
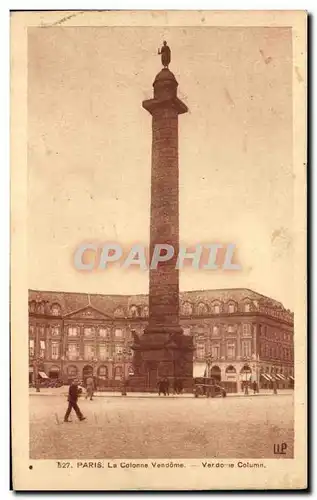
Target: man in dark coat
[
  {"x": 166, "y": 386},
  {"x": 73, "y": 395}
]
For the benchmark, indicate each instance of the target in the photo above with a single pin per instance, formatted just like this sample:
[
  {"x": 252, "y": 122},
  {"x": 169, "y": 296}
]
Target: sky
[{"x": 89, "y": 151}]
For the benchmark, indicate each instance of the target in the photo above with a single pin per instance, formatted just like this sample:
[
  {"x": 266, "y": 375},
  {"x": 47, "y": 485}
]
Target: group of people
[
  {"x": 254, "y": 385},
  {"x": 163, "y": 385}
]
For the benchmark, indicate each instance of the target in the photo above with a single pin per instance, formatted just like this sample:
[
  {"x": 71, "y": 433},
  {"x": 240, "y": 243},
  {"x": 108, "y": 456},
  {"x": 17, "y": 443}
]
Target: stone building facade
[{"x": 238, "y": 335}]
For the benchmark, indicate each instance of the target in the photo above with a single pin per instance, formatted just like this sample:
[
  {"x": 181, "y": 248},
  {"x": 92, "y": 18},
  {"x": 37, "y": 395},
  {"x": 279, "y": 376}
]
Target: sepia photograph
[{"x": 163, "y": 306}]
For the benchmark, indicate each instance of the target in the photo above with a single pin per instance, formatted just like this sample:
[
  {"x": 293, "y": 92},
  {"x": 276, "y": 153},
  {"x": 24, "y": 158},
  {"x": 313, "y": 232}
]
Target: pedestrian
[
  {"x": 246, "y": 388},
  {"x": 274, "y": 387},
  {"x": 167, "y": 386},
  {"x": 73, "y": 394},
  {"x": 161, "y": 387},
  {"x": 255, "y": 387},
  {"x": 89, "y": 388}
]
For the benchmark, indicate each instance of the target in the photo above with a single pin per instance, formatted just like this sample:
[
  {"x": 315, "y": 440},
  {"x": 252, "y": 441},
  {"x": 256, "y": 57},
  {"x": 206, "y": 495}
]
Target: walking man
[{"x": 73, "y": 395}]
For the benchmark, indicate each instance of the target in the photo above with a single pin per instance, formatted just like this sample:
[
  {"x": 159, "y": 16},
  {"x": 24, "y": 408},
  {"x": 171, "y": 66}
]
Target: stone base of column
[{"x": 162, "y": 355}]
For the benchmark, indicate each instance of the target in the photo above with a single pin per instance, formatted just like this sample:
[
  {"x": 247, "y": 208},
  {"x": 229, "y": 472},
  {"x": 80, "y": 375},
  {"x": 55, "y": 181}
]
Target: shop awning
[
  {"x": 281, "y": 376},
  {"x": 269, "y": 377},
  {"x": 43, "y": 375},
  {"x": 292, "y": 378},
  {"x": 265, "y": 376}
]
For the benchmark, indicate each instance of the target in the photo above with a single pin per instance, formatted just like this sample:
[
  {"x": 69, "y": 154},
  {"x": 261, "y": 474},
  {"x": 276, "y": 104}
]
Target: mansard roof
[{"x": 72, "y": 301}]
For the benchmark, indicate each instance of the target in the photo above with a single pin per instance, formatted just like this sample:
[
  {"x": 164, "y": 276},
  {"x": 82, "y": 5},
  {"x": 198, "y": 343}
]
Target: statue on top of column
[{"x": 165, "y": 54}]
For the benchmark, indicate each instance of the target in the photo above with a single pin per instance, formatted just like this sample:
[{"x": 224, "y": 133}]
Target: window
[
  {"x": 103, "y": 372},
  {"x": 118, "y": 333},
  {"x": 73, "y": 331},
  {"x": 42, "y": 331},
  {"x": 32, "y": 306},
  {"x": 31, "y": 330},
  {"x": 72, "y": 371},
  {"x": 215, "y": 331},
  {"x": 73, "y": 351},
  {"x": 134, "y": 313},
  {"x": 89, "y": 331},
  {"x": 202, "y": 309},
  {"x": 89, "y": 351},
  {"x": 216, "y": 309},
  {"x": 231, "y": 350},
  {"x": 187, "y": 309},
  {"x": 56, "y": 310},
  {"x": 215, "y": 352},
  {"x": 187, "y": 330},
  {"x": 247, "y": 307},
  {"x": 200, "y": 351},
  {"x": 246, "y": 348},
  {"x": 246, "y": 330},
  {"x": 119, "y": 313},
  {"x": 42, "y": 349},
  {"x": 55, "y": 331},
  {"x": 230, "y": 329},
  {"x": 104, "y": 352},
  {"x": 231, "y": 308},
  {"x": 103, "y": 332},
  {"x": 55, "y": 350},
  {"x": 118, "y": 349},
  {"x": 118, "y": 373},
  {"x": 31, "y": 347},
  {"x": 145, "y": 311}
]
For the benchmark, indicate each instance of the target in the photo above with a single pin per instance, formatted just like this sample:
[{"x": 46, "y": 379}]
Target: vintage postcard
[{"x": 158, "y": 279}]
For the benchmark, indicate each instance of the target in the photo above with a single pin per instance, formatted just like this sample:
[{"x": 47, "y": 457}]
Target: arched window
[
  {"x": 118, "y": 373},
  {"x": 145, "y": 311},
  {"x": 32, "y": 306},
  {"x": 56, "y": 310},
  {"x": 103, "y": 372},
  {"x": 118, "y": 313},
  {"x": 187, "y": 309},
  {"x": 133, "y": 313},
  {"x": 202, "y": 309},
  {"x": 72, "y": 371},
  {"x": 216, "y": 307},
  {"x": 247, "y": 307},
  {"x": 232, "y": 307},
  {"x": 231, "y": 369},
  {"x": 40, "y": 307}
]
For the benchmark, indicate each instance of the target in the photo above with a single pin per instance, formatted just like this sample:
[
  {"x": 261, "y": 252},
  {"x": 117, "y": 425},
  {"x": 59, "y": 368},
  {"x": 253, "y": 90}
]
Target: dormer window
[{"x": 56, "y": 310}]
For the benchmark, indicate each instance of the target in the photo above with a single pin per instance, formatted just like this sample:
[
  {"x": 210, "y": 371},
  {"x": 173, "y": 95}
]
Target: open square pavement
[{"x": 162, "y": 427}]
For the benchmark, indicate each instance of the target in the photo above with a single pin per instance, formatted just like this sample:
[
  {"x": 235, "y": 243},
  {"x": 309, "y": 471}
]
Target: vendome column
[{"x": 163, "y": 350}]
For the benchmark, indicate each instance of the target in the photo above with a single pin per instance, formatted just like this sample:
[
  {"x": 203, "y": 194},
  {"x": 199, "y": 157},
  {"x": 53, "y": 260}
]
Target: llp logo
[{"x": 280, "y": 449}]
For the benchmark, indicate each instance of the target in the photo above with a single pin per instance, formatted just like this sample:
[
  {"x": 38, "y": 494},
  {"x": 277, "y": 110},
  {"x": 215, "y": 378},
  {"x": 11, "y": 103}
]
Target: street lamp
[
  {"x": 125, "y": 353},
  {"x": 208, "y": 365}
]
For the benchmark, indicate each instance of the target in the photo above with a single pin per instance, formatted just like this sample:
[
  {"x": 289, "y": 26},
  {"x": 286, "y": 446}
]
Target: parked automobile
[
  {"x": 207, "y": 387},
  {"x": 48, "y": 382}
]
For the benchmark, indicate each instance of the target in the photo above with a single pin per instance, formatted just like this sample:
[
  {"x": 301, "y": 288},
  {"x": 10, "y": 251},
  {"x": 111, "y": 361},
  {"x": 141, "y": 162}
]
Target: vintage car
[{"x": 208, "y": 387}]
